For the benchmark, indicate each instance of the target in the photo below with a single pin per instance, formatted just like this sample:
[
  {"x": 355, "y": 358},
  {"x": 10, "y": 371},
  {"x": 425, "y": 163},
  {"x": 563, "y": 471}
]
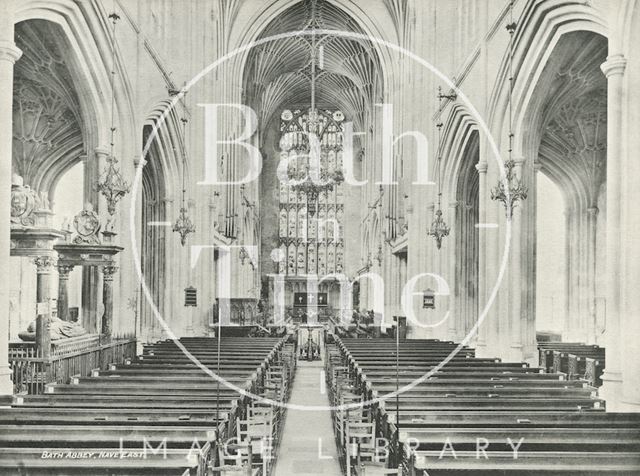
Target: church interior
[{"x": 300, "y": 237}]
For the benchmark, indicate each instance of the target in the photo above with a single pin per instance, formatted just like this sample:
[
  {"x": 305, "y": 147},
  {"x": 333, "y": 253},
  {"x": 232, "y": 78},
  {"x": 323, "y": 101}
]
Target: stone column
[
  {"x": 614, "y": 69},
  {"x": 107, "y": 299},
  {"x": 515, "y": 292},
  {"x": 44, "y": 268},
  {"x": 454, "y": 326},
  {"x": 432, "y": 266},
  {"x": 90, "y": 274},
  {"x": 533, "y": 245},
  {"x": 481, "y": 346},
  {"x": 568, "y": 247},
  {"x": 592, "y": 224},
  {"x": 9, "y": 54},
  {"x": 63, "y": 291},
  {"x": 173, "y": 276}
]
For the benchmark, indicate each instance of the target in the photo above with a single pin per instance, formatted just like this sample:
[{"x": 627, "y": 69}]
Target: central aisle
[{"x": 308, "y": 446}]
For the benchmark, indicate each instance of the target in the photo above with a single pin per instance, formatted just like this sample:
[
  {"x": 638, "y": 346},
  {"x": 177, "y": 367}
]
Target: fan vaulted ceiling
[
  {"x": 278, "y": 73},
  {"x": 47, "y": 136},
  {"x": 573, "y": 145}
]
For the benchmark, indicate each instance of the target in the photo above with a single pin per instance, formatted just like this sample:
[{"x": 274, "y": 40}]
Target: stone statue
[
  {"x": 43, "y": 201},
  {"x": 59, "y": 330}
]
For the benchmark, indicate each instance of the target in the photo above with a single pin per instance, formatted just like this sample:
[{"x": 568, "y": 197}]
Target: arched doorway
[
  {"x": 551, "y": 257},
  {"x": 572, "y": 124},
  {"x": 161, "y": 195},
  {"x": 466, "y": 237}
]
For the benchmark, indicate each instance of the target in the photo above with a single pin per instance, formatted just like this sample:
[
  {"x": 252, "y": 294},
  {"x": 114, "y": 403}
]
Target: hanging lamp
[
  {"x": 305, "y": 184},
  {"x": 111, "y": 184},
  {"x": 184, "y": 226},
  {"x": 439, "y": 228},
  {"x": 510, "y": 190}
]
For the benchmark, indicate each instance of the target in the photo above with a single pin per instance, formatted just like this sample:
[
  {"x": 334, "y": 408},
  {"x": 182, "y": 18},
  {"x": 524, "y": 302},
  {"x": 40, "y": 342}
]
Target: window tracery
[{"x": 310, "y": 233}]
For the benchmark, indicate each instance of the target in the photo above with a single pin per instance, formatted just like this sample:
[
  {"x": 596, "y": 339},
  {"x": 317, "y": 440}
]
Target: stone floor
[{"x": 308, "y": 446}]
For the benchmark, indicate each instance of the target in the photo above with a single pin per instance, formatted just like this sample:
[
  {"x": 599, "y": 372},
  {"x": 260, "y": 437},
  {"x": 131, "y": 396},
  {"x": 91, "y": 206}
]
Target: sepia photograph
[{"x": 319, "y": 237}]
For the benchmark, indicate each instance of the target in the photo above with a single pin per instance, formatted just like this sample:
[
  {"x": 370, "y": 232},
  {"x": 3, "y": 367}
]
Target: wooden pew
[
  {"x": 527, "y": 439},
  {"x": 559, "y": 419},
  {"x": 109, "y": 416},
  {"x": 518, "y": 419},
  {"x": 171, "y": 405},
  {"x": 546, "y": 463},
  {"x": 546, "y": 349}
]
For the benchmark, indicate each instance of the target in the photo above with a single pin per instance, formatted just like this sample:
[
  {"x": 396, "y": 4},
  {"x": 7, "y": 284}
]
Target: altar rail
[{"x": 69, "y": 357}]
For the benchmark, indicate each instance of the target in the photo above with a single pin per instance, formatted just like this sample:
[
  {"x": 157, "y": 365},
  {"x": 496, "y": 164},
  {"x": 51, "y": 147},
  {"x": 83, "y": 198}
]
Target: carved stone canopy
[
  {"x": 33, "y": 242},
  {"x": 86, "y": 255}
]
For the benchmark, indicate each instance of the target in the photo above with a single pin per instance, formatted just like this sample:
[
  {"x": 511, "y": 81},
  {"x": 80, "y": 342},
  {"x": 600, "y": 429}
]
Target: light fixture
[
  {"x": 312, "y": 189},
  {"x": 184, "y": 226},
  {"x": 439, "y": 228},
  {"x": 324, "y": 181},
  {"x": 510, "y": 190},
  {"x": 110, "y": 183}
]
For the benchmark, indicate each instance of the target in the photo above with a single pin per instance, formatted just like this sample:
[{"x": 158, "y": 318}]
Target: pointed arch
[{"x": 542, "y": 42}]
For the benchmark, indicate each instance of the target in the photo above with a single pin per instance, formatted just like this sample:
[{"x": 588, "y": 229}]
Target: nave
[
  {"x": 318, "y": 201},
  {"x": 308, "y": 446}
]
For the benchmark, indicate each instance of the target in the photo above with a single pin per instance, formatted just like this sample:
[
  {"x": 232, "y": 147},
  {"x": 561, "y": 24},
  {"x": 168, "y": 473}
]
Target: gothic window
[{"x": 311, "y": 226}]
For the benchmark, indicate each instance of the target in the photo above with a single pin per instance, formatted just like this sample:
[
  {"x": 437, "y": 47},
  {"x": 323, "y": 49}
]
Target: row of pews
[
  {"x": 468, "y": 415},
  {"x": 159, "y": 414},
  {"x": 577, "y": 360}
]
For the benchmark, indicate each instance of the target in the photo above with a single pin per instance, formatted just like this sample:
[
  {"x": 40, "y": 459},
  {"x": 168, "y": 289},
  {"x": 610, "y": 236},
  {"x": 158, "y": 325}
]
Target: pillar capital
[
  {"x": 101, "y": 151},
  {"x": 481, "y": 167},
  {"x": 614, "y": 65},
  {"x": 64, "y": 270},
  {"x": 9, "y": 51},
  {"x": 108, "y": 271},
  {"x": 537, "y": 166},
  {"x": 44, "y": 264},
  {"x": 593, "y": 211}
]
